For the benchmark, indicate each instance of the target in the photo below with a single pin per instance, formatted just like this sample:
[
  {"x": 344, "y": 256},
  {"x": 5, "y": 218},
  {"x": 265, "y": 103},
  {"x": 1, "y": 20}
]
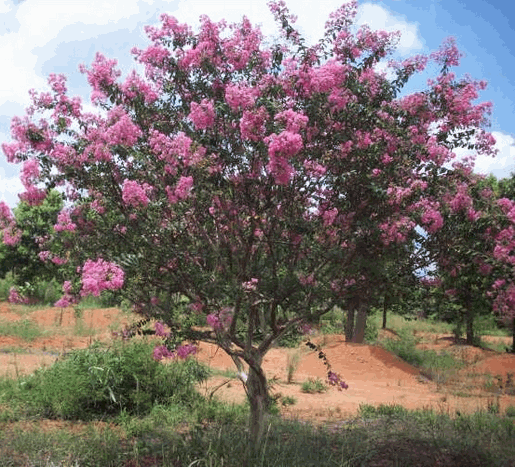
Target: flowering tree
[{"x": 256, "y": 185}]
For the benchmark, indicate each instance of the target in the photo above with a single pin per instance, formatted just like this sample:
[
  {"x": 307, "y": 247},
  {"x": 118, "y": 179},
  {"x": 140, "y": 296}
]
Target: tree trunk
[
  {"x": 385, "y": 308},
  {"x": 349, "y": 323},
  {"x": 469, "y": 318},
  {"x": 258, "y": 397},
  {"x": 361, "y": 322},
  {"x": 513, "y": 335}
]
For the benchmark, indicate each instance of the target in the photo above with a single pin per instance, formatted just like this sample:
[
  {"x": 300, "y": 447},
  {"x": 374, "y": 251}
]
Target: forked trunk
[{"x": 257, "y": 393}]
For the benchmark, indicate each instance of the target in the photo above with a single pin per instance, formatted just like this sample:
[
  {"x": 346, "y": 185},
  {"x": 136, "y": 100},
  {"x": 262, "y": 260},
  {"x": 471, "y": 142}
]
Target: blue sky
[{"x": 39, "y": 37}]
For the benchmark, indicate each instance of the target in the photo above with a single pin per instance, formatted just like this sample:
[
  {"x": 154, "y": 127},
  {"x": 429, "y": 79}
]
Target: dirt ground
[{"x": 374, "y": 375}]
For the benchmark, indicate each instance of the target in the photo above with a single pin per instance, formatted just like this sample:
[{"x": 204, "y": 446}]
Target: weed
[
  {"x": 293, "y": 360},
  {"x": 288, "y": 400},
  {"x": 25, "y": 329},
  {"x": 313, "y": 386}
]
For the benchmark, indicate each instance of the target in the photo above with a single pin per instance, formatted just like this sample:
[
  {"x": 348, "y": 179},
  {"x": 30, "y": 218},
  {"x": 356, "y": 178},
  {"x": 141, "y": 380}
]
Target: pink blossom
[
  {"x": 432, "y": 219},
  {"x": 33, "y": 195},
  {"x": 252, "y": 124},
  {"x": 11, "y": 235},
  {"x": 182, "y": 189},
  {"x": 293, "y": 121},
  {"x": 184, "y": 351},
  {"x": 202, "y": 115},
  {"x": 220, "y": 321},
  {"x": 135, "y": 194},
  {"x": 161, "y": 352},
  {"x": 160, "y": 330},
  {"x": 329, "y": 216},
  {"x": 29, "y": 172},
  {"x": 16, "y": 298},
  {"x": 100, "y": 275},
  {"x": 101, "y": 75},
  {"x": 64, "y": 222},
  {"x": 240, "y": 97}
]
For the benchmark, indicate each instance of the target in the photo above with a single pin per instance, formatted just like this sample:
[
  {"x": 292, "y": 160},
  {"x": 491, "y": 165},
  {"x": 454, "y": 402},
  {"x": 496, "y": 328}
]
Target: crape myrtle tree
[
  {"x": 463, "y": 248},
  {"x": 475, "y": 249},
  {"x": 258, "y": 184}
]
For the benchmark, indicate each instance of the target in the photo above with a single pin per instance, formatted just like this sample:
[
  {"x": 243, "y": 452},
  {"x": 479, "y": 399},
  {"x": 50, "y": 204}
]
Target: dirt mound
[{"x": 374, "y": 375}]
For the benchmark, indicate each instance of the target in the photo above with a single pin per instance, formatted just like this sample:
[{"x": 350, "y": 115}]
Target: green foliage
[
  {"x": 34, "y": 222},
  {"x": 6, "y": 284},
  {"x": 313, "y": 386},
  {"x": 97, "y": 382}
]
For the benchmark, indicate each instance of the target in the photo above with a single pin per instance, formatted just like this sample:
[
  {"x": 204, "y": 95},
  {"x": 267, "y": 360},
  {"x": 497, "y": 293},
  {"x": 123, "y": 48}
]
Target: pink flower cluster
[
  {"x": 100, "y": 275},
  {"x": 252, "y": 124},
  {"x": 64, "y": 222},
  {"x": 335, "y": 380},
  {"x": 16, "y": 298},
  {"x": 182, "y": 352},
  {"x": 220, "y": 321},
  {"x": 181, "y": 191},
  {"x": 134, "y": 193},
  {"x": 160, "y": 330},
  {"x": 397, "y": 230},
  {"x": 280, "y": 148},
  {"x": 240, "y": 97},
  {"x": 68, "y": 298},
  {"x": 101, "y": 75},
  {"x": 202, "y": 115}
]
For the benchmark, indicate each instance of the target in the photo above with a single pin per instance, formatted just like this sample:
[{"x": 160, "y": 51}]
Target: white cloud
[
  {"x": 504, "y": 163},
  {"x": 378, "y": 18},
  {"x": 10, "y": 187}
]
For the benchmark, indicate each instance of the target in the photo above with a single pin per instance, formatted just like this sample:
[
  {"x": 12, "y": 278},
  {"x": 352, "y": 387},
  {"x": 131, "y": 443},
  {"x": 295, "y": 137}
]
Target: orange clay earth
[{"x": 374, "y": 375}]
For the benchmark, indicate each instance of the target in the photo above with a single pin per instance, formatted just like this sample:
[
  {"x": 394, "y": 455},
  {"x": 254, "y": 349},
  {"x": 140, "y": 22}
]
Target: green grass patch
[
  {"x": 382, "y": 436},
  {"x": 24, "y": 329}
]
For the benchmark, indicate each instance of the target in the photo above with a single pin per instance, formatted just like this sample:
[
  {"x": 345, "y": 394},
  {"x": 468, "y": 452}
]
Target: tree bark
[
  {"x": 470, "y": 327},
  {"x": 257, "y": 393},
  {"x": 361, "y": 322},
  {"x": 513, "y": 335},
  {"x": 349, "y": 323},
  {"x": 385, "y": 308}
]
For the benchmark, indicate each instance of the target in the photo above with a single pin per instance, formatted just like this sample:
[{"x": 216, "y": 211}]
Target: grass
[
  {"x": 25, "y": 329},
  {"x": 214, "y": 434}
]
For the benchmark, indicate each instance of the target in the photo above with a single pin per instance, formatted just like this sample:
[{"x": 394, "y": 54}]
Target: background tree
[
  {"x": 31, "y": 225},
  {"x": 257, "y": 186}
]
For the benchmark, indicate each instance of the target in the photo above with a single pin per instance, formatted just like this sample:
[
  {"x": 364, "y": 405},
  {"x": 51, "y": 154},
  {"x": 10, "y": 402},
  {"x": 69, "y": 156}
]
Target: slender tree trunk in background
[
  {"x": 361, "y": 322},
  {"x": 259, "y": 403},
  {"x": 513, "y": 335},
  {"x": 469, "y": 320},
  {"x": 385, "y": 308},
  {"x": 349, "y": 322},
  {"x": 470, "y": 327}
]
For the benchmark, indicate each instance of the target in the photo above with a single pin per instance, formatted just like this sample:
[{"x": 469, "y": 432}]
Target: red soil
[{"x": 374, "y": 375}]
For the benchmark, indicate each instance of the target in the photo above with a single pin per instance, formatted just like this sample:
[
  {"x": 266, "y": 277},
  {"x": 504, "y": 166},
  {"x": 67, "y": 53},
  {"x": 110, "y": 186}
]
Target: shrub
[
  {"x": 313, "y": 386},
  {"x": 97, "y": 382}
]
